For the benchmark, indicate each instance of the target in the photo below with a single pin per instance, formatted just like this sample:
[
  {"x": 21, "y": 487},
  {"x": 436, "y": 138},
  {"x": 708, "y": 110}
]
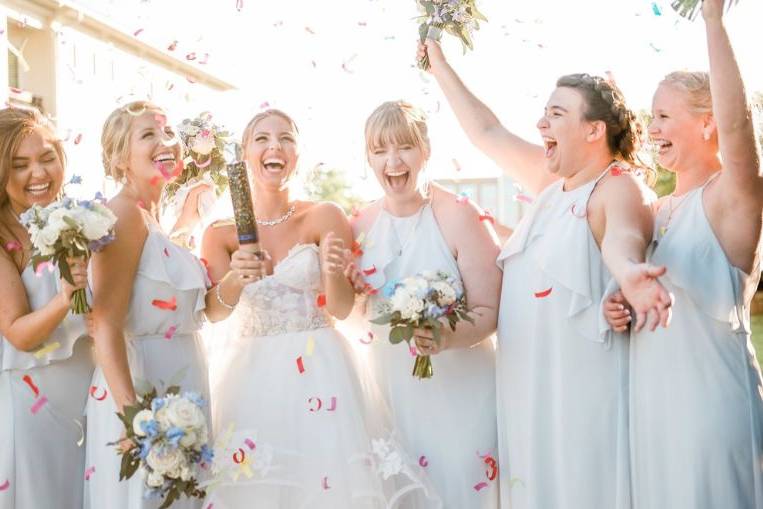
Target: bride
[{"x": 297, "y": 426}]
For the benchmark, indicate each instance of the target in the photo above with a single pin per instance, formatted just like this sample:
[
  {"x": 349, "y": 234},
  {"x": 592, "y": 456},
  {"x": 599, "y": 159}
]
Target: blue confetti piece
[{"x": 656, "y": 9}]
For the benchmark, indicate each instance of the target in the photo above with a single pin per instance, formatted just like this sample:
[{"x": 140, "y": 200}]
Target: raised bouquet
[
  {"x": 204, "y": 146},
  {"x": 422, "y": 302},
  {"x": 68, "y": 228},
  {"x": 168, "y": 437},
  {"x": 690, "y": 8},
  {"x": 457, "y": 17}
]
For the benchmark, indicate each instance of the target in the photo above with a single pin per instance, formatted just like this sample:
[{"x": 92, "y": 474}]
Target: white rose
[
  {"x": 188, "y": 440},
  {"x": 185, "y": 474},
  {"x": 165, "y": 462},
  {"x": 46, "y": 238},
  {"x": 96, "y": 226},
  {"x": 154, "y": 480},
  {"x": 141, "y": 417},
  {"x": 163, "y": 419},
  {"x": 400, "y": 300},
  {"x": 447, "y": 293},
  {"x": 203, "y": 145},
  {"x": 184, "y": 414}
]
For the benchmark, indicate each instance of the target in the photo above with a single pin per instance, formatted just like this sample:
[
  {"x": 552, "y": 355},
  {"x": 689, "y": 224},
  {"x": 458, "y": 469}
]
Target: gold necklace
[{"x": 671, "y": 211}]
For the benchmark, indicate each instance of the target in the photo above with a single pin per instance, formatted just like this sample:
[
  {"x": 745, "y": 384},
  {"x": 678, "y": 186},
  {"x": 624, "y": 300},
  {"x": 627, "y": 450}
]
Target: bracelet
[{"x": 220, "y": 298}]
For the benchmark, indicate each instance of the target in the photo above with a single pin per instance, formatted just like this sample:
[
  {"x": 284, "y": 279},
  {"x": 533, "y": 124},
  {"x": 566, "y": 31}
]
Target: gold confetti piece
[
  {"x": 310, "y": 346},
  {"x": 47, "y": 349}
]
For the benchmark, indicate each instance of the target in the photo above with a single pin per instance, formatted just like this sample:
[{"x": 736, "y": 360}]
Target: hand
[
  {"x": 431, "y": 48},
  {"x": 648, "y": 298},
  {"x": 248, "y": 267},
  {"x": 425, "y": 343},
  {"x": 616, "y": 312},
  {"x": 712, "y": 10},
  {"x": 334, "y": 256},
  {"x": 355, "y": 276},
  {"x": 124, "y": 444},
  {"x": 78, "y": 269}
]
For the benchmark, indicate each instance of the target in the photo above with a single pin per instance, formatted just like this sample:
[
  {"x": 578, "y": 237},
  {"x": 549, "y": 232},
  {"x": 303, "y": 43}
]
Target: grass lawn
[{"x": 757, "y": 334}]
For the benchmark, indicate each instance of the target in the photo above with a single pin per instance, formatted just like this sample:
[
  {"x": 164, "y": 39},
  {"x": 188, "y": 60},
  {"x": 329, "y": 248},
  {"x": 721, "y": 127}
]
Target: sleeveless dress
[
  {"x": 449, "y": 420},
  {"x": 156, "y": 355},
  {"x": 696, "y": 391},
  {"x": 562, "y": 374},
  {"x": 298, "y": 425},
  {"x": 42, "y": 401}
]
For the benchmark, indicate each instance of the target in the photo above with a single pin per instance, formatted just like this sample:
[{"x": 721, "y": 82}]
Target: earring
[{"x": 706, "y": 136}]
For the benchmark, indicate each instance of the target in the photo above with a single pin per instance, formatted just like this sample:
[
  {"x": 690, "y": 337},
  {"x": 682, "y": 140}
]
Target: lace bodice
[{"x": 287, "y": 300}]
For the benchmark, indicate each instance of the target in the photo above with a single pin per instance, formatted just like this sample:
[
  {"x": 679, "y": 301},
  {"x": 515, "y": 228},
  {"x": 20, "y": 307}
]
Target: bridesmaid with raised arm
[
  {"x": 696, "y": 404},
  {"x": 148, "y": 300},
  {"x": 562, "y": 375},
  {"x": 448, "y": 420},
  {"x": 45, "y": 357}
]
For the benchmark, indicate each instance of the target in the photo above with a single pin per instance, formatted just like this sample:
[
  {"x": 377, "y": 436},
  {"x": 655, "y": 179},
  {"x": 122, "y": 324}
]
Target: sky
[{"x": 330, "y": 63}]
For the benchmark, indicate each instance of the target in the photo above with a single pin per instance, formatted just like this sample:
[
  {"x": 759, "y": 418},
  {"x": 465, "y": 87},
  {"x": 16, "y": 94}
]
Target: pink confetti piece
[
  {"x": 412, "y": 351},
  {"x": 42, "y": 266},
  {"x": 89, "y": 472},
  {"x": 78, "y": 139},
  {"x": 170, "y": 332},
  {"x": 137, "y": 32},
  {"x": 300, "y": 365},
  {"x": 523, "y": 198},
  {"x": 462, "y": 198},
  {"x": 191, "y": 56},
  {"x": 543, "y": 294},
  {"x": 13, "y": 245},
  {"x": 190, "y": 80},
  {"x": 166, "y": 252},
  {"x": 239, "y": 5},
  {"x": 94, "y": 390},
  {"x": 423, "y": 462},
  {"x": 369, "y": 340},
  {"x": 332, "y": 407},
  {"x": 173, "y": 46},
  {"x": 370, "y": 270},
  {"x": 204, "y": 59},
  {"x": 38, "y": 404},
  {"x": 250, "y": 443},
  {"x": 578, "y": 214},
  {"x": 480, "y": 485},
  {"x": 316, "y": 407},
  {"x": 5, "y": 485},
  {"x": 326, "y": 483},
  {"x": 28, "y": 380}
]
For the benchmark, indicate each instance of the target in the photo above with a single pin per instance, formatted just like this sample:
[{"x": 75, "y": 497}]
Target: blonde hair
[
  {"x": 397, "y": 122},
  {"x": 15, "y": 125},
  {"x": 696, "y": 86},
  {"x": 249, "y": 129},
  {"x": 115, "y": 137}
]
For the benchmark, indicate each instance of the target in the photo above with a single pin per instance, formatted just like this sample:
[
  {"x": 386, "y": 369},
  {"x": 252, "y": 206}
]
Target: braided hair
[{"x": 605, "y": 103}]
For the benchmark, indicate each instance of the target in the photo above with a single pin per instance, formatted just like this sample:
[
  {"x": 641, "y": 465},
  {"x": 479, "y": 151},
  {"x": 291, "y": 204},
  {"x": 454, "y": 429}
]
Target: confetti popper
[
  {"x": 691, "y": 8},
  {"x": 243, "y": 211}
]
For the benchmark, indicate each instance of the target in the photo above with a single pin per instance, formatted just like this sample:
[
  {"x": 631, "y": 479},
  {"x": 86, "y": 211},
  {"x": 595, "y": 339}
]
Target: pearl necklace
[{"x": 280, "y": 220}]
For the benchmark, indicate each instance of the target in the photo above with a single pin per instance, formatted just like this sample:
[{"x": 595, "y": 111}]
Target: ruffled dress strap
[{"x": 557, "y": 229}]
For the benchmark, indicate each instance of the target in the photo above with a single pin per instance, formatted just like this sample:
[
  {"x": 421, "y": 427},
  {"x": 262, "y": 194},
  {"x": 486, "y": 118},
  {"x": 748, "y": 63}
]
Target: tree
[
  {"x": 664, "y": 181},
  {"x": 326, "y": 183}
]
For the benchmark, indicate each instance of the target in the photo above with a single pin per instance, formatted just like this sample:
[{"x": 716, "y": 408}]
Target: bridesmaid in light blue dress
[
  {"x": 45, "y": 355},
  {"x": 149, "y": 300},
  {"x": 696, "y": 404}
]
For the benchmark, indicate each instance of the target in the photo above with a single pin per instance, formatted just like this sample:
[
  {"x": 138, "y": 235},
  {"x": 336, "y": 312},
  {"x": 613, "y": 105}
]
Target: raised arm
[
  {"x": 26, "y": 329},
  {"x": 335, "y": 240},
  {"x": 519, "y": 159},
  {"x": 113, "y": 274},
  {"x": 741, "y": 176}
]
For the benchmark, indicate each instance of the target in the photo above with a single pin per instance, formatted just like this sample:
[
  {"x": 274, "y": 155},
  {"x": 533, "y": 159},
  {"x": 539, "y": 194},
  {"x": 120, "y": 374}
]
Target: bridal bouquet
[
  {"x": 457, "y": 17},
  {"x": 420, "y": 302},
  {"x": 690, "y": 8},
  {"x": 68, "y": 228},
  {"x": 204, "y": 145},
  {"x": 169, "y": 441}
]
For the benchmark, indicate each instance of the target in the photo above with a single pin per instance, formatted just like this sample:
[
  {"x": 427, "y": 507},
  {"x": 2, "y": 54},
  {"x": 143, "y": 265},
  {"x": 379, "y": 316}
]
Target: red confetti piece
[
  {"x": 94, "y": 389},
  {"x": 249, "y": 443},
  {"x": 492, "y": 465},
  {"x": 370, "y": 270},
  {"x": 5, "y": 485},
  {"x": 326, "y": 483},
  {"x": 173, "y": 46},
  {"x": 369, "y": 340},
  {"x": 239, "y": 456},
  {"x": 487, "y": 216},
  {"x": 480, "y": 485},
  {"x": 523, "y": 198},
  {"x": 170, "y": 332},
  {"x": 13, "y": 245},
  {"x": 544, "y": 293},
  {"x": 38, "y": 405},
  {"x": 423, "y": 461},
  {"x": 357, "y": 252},
  {"x": 332, "y": 407},
  {"x": 316, "y": 400},
  {"x": 300, "y": 365},
  {"x": 320, "y": 301},
  {"x": 89, "y": 472},
  {"x": 616, "y": 171},
  {"x": 191, "y": 56},
  {"x": 78, "y": 139},
  {"x": 137, "y": 32},
  {"x": 28, "y": 380},
  {"x": 370, "y": 291},
  {"x": 170, "y": 305}
]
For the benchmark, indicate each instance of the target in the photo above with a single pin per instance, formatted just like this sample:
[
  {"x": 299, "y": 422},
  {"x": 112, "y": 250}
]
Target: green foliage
[
  {"x": 326, "y": 183},
  {"x": 691, "y": 8}
]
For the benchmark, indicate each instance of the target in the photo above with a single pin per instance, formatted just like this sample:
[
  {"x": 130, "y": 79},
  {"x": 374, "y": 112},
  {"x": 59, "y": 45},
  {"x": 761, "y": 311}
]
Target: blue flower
[
  {"x": 435, "y": 311},
  {"x": 389, "y": 289},
  {"x": 151, "y": 428},
  {"x": 67, "y": 202},
  {"x": 195, "y": 398},
  {"x": 157, "y": 404},
  {"x": 98, "y": 245},
  {"x": 145, "y": 448},
  {"x": 76, "y": 179},
  {"x": 207, "y": 454},
  {"x": 174, "y": 434},
  {"x": 99, "y": 197}
]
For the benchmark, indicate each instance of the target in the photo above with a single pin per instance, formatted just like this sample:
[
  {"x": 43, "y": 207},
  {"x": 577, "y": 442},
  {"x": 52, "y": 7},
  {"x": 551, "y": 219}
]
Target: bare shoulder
[
  {"x": 456, "y": 210},
  {"x": 624, "y": 186},
  {"x": 223, "y": 230},
  {"x": 365, "y": 217},
  {"x": 322, "y": 211}
]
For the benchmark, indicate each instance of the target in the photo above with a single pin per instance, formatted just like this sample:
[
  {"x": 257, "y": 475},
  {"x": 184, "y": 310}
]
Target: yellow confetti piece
[
  {"x": 224, "y": 439},
  {"x": 47, "y": 349},
  {"x": 243, "y": 468},
  {"x": 361, "y": 237},
  {"x": 310, "y": 346},
  {"x": 662, "y": 231}
]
